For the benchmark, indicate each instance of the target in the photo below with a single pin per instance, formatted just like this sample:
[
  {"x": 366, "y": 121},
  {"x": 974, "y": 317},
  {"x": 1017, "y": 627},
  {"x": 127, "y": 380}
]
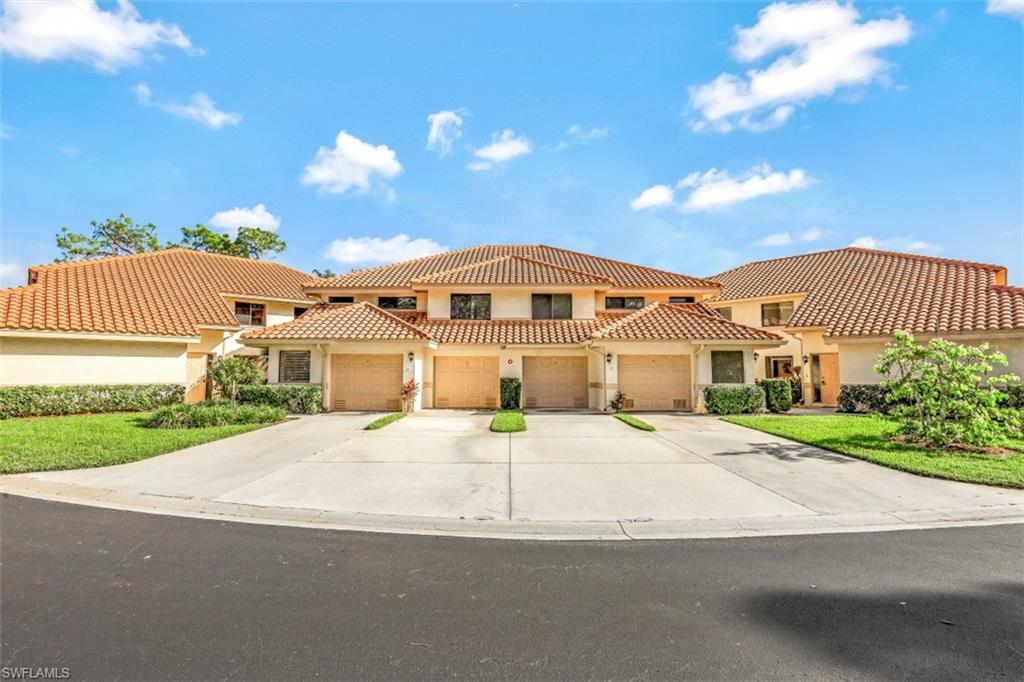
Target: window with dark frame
[
  {"x": 682, "y": 299},
  {"x": 471, "y": 307},
  {"x": 298, "y": 311},
  {"x": 623, "y": 302},
  {"x": 725, "y": 312},
  {"x": 552, "y": 306},
  {"x": 727, "y": 367},
  {"x": 341, "y": 299},
  {"x": 250, "y": 314},
  {"x": 397, "y": 302},
  {"x": 776, "y": 314},
  {"x": 293, "y": 367}
]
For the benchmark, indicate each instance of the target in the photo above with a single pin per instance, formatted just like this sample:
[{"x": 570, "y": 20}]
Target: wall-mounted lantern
[
  {"x": 608, "y": 358},
  {"x": 756, "y": 355},
  {"x": 805, "y": 359},
  {"x": 412, "y": 356}
]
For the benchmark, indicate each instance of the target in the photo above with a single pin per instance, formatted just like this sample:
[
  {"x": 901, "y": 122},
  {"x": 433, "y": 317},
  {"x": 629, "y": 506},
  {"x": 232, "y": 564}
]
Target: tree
[
  {"x": 230, "y": 373},
  {"x": 249, "y": 242},
  {"x": 113, "y": 237},
  {"x": 944, "y": 393},
  {"x": 326, "y": 272}
]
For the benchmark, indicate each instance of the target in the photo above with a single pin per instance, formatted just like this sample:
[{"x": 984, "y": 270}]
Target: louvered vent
[
  {"x": 679, "y": 404},
  {"x": 531, "y": 402},
  {"x": 628, "y": 403},
  {"x": 490, "y": 402},
  {"x": 392, "y": 404},
  {"x": 339, "y": 404}
]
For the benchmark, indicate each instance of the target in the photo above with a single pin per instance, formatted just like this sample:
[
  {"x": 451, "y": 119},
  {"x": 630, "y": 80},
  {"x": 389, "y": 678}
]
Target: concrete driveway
[{"x": 567, "y": 468}]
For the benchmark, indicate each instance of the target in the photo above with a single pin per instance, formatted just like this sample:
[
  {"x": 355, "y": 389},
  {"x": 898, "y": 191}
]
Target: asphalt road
[{"x": 116, "y": 595}]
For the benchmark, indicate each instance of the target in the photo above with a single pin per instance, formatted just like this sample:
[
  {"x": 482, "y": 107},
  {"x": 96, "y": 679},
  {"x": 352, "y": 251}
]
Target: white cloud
[
  {"x": 80, "y": 30},
  {"x": 257, "y": 216},
  {"x": 824, "y": 47},
  {"x": 1010, "y": 8},
  {"x": 504, "y": 147},
  {"x": 777, "y": 239},
  {"x": 811, "y": 234},
  {"x": 785, "y": 238},
  {"x": 69, "y": 150},
  {"x": 445, "y": 129},
  {"x": 6, "y": 133},
  {"x": 895, "y": 244},
  {"x": 717, "y": 189},
  {"x": 376, "y": 250},
  {"x": 658, "y": 196},
  {"x": 578, "y": 135},
  {"x": 201, "y": 108},
  {"x": 352, "y": 165},
  {"x": 12, "y": 275}
]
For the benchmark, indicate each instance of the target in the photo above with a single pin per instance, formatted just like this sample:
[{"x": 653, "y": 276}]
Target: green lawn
[
  {"x": 635, "y": 422},
  {"x": 94, "y": 440},
  {"x": 508, "y": 421},
  {"x": 865, "y": 437},
  {"x": 381, "y": 422}
]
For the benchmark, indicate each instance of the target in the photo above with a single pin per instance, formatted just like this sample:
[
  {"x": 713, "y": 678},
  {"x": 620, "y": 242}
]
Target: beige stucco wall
[
  {"x": 857, "y": 360},
  {"x": 47, "y": 361},
  {"x": 509, "y": 304},
  {"x": 649, "y": 296}
]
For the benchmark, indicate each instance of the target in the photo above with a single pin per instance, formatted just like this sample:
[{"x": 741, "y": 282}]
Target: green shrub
[
  {"x": 36, "y": 401},
  {"x": 734, "y": 399},
  {"x": 864, "y": 398},
  {"x": 203, "y": 415},
  {"x": 1013, "y": 396},
  {"x": 295, "y": 398},
  {"x": 778, "y": 394},
  {"x": 230, "y": 374},
  {"x": 945, "y": 392},
  {"x": 511, "y": 393}
]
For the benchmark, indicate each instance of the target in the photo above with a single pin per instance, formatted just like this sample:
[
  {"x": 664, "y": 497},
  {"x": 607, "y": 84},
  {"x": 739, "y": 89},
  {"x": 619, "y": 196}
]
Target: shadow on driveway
[{"x": 788, "y": 452}]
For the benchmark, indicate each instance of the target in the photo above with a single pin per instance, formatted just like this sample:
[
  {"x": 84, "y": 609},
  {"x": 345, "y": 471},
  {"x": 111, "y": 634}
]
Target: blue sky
[{"x": 692, "y": 137}]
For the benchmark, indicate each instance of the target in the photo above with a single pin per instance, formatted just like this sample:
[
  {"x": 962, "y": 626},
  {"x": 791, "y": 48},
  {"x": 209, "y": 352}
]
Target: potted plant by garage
[{"x": 410, "y": 390}]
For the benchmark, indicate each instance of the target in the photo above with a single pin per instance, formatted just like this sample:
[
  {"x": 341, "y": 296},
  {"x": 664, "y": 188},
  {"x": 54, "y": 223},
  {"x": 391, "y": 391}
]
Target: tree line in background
[{"x": 123, "y": 236}]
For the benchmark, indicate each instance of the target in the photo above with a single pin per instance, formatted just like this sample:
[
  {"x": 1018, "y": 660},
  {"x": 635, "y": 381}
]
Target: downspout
[{"x": 693, "y": 378}]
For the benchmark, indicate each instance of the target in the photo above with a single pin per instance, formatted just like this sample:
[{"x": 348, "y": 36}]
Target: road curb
[{"x": 628, "y": 530}]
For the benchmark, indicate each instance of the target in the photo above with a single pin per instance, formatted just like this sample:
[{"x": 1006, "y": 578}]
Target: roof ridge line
[
  {"x": 383, "y": 313},
  {"x": 460, "y": 268},
  {"x": 157, "y": 252},
  {"x": 615, "y": 324},
  {"x": 564, "y": 268},
  {"x": 632, "y": 265},
  {"x": 881, "y": 252},
  {"x": 361, "y": 271}
]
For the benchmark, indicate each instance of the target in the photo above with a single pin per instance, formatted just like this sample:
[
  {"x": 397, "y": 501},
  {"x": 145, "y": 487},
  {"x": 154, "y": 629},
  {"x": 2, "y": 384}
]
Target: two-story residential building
[
  {"x": 837, "y": 309},
  {"x": 576, "y": 329},
  {"x": 151, "y": 318}
]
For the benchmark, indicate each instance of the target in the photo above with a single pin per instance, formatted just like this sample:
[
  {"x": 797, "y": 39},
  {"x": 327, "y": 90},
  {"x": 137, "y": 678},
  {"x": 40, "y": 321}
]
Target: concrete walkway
[{"x": 571, "y": 475}]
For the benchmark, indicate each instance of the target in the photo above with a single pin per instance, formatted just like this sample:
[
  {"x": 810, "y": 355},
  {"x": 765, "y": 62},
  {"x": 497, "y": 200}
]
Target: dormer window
[
  {"x": 397, "y": 302},
  {"x": 552, "y": 306},
  {"x": 623, "y": 302},
  {"x": 471, "y": 307},
  {"x": 250, "y": 314}
]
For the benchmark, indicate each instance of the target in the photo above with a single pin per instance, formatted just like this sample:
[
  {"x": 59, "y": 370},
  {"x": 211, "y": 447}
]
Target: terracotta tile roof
[
  {"x": 862, "y": 292},
  {"x": 401, "y": 275},
  {"x": 512, "y": 270},
  {"x": 168, "y": 293},
  {"x": 667, "y": 322},
  {"x": 342, "y": 322},
  {"x": 365, "y": 321}
]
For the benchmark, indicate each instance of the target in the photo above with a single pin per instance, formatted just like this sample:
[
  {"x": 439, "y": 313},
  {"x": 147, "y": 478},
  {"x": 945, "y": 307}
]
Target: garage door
[
  {"x": 466, "y": 382},
  {"x": 555, "y": 382},
  {"x": 655, "y": 382},
  {"x": 366, "y": 382}
]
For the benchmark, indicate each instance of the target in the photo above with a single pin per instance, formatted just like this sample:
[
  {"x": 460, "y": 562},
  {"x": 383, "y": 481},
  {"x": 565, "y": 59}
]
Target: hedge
[
  {"x": 295, "y": 398},
  {"x": 863, "y": 398},
  {"x": 778, "y": 394},
  {"x": 35, "y": 401},
  {"x": 511, "y": 393},
  {"x": 205, "y": 415},
  {"x": 734, "y": 399},
  {"x": 1014, "y": 396}
]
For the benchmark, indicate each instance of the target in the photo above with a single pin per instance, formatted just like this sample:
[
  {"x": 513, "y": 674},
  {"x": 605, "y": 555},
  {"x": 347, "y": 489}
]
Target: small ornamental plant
[
  {"x": 618, "y": 402},
  {"x": 944, "y": 393},
  {"x": 410, "y": 389},
  {"x": 230, "y": 373}
]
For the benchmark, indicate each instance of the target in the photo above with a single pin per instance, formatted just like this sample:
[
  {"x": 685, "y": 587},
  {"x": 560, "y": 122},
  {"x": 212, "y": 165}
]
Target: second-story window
[
  {"x": 250, "y": 314},
  {"x": 623, "y": 302},
  {"x": 725, "y": 312},
  {"x": 471, "y": 307},
  {"x": 552, "y": 306},
  {"x": 776, "y": 314},
  {"x": 397, "y": 302},
  {"x": 681, "y": 299},
  {"x": 341, "y": 299}
]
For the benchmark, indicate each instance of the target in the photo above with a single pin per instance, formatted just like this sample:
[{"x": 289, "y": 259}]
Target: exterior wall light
[
  {"x": 608, "y": 358},
  {"x": 412, "y": 356},
  {"x": 756, "y": 355}
]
